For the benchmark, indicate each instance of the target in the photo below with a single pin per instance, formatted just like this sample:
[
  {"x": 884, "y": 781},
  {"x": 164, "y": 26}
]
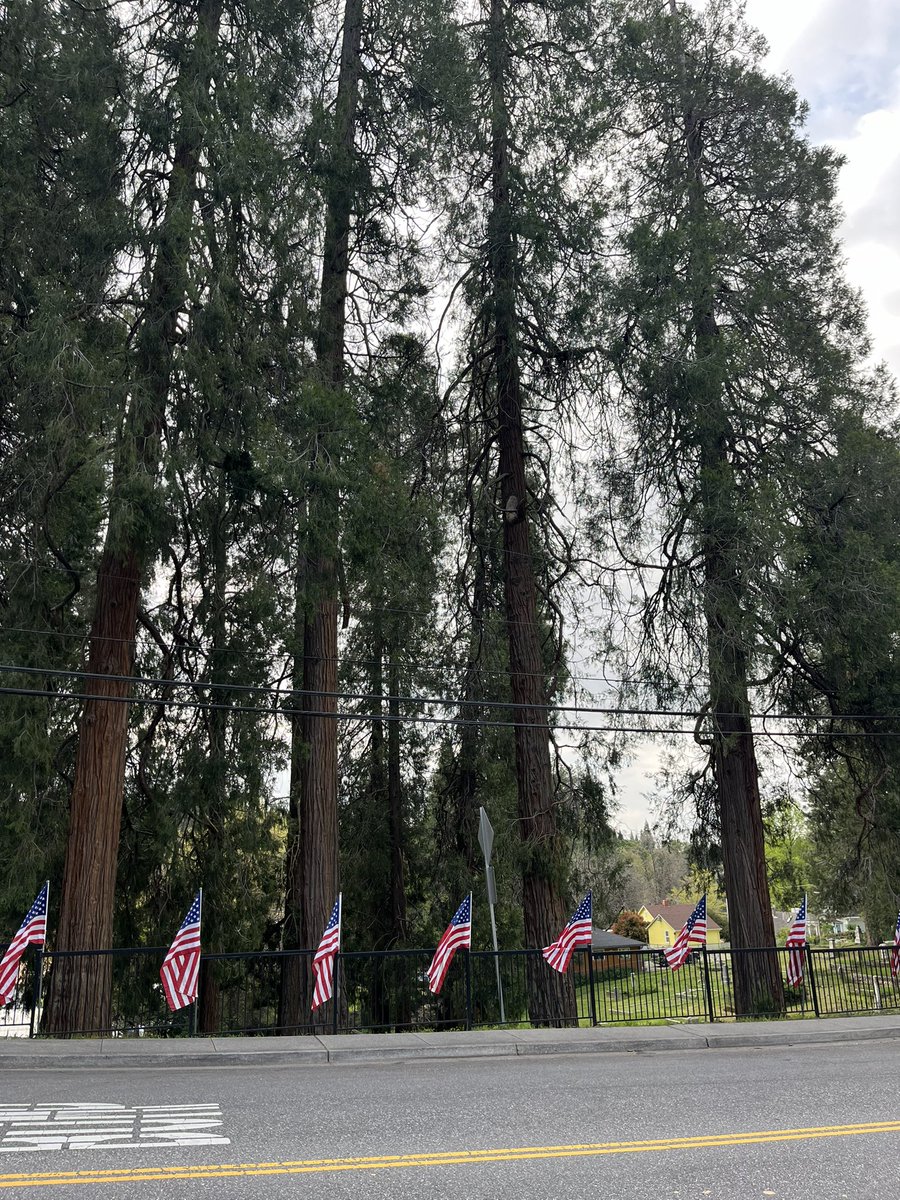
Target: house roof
[
  {"x": 677, "y": 914},
  {"x": 782, "y": 920},
  {"x": 602, "y": 939}
]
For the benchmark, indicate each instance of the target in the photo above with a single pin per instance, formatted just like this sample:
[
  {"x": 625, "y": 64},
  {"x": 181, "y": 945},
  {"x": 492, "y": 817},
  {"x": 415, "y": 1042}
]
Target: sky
[{"x": 844, "y": 59}]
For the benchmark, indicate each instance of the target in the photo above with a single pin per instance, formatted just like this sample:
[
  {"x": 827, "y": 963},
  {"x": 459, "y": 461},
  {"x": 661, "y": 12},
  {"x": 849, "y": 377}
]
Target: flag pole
[
  {"x": 497, "y": 957},
  {"x": 39, "y": 966},
  {"x": 486, "y": 838},
  {"x": 337, "y": 965},
  {"x": 810, "y": 969},
  {"x": 193, "y": 1021},
  {"x": 469, "y": 970}
]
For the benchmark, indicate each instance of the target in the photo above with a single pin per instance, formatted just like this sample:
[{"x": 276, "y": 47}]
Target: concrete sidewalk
[{"x": 19, "y": 1054}]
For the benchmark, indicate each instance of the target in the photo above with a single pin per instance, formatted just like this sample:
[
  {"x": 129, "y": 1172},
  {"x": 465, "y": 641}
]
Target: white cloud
[
  {"x": 874, "y": 266},
  {"x": 842, "y": 55},
  {"x": 872, "y": 150},
  {"x": 782, "y": 22},
  {"x": 868, "y": 191}
]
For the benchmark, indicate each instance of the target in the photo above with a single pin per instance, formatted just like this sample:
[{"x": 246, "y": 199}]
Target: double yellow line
[{"x": 443, "y": 1158}]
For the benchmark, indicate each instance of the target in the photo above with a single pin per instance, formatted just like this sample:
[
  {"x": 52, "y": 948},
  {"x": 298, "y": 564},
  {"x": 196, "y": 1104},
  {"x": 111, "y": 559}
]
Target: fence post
[
  {"x": 814, "y": 991},
  {"x": 590, "y": 954},
  {"x": 710, "y": 1011},
  {"x": 38, "y": 989},
  {"x": 336, "y": 992},
  {"x": 468, "y": 954}
]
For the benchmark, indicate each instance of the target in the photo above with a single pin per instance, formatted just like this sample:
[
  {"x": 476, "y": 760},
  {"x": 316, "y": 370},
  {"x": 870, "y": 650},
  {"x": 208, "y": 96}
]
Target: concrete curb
[{"x": 127, "y": 1053}]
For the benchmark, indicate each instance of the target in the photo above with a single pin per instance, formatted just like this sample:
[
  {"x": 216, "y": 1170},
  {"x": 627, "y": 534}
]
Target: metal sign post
[{"x": 486, "y": 840}]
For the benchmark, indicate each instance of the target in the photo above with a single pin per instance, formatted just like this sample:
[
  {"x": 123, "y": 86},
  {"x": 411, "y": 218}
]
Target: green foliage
[
  {"x": 393, "y": 537},
  {"x": 788, "y": 857},
  {"x": 844, "y": 660},
  {"x": 654, "y": 870},
  {"x": 611, "y": 974},
  {"x": 62, "y": 223},
  {"x": 200, "y": 804},
  {"x": 631, "y": 924},
  {"x": 737, "y": 366},
  {"x": 159, "y": 375}
]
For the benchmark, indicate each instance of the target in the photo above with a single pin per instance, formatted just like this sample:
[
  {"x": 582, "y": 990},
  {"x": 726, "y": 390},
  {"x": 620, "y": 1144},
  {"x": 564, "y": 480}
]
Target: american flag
[
  {"x": 895, "y": 953},
  {"x": 457, "y": 936},
  {"x": 578, "y": 932},
  {"x": 323, "y": 962},
  {"x": 796, "y": 940},
  {"x": 32, "y": 931},
  {"x": 693, "y": 934},
  {"x": 181, "y": 966}
]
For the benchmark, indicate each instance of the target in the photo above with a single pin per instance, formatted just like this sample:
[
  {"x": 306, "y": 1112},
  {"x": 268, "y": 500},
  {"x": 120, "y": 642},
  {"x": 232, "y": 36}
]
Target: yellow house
[{"x": 664, "y": 923}]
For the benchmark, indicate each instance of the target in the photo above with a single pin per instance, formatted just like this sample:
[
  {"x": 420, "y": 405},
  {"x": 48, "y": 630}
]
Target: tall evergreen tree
[
  {"x": 62, "y": 225},
  {"x": 531, "y": 222},
  {"x": 80, "y": 986},
  {"x": 204, "y": 778},
  {"x": 733, "y": 345},
  {"x": 394, "y": 530},
  {"x": 372, "y": 167},
  {"x": 184, "y": 196},
  {"x": 838, "y": 642},
  {"x": 313, "y": 875}
]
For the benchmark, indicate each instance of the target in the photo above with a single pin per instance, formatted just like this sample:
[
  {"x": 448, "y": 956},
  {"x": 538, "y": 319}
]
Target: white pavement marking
[{"x": 90, "y": 1126}]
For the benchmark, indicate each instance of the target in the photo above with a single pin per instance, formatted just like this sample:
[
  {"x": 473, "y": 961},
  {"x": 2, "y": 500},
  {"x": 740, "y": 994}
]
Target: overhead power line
[
  {"x": 292, "y": 709},
  {"x": 477, "y": 667},
  {"x": 461, "y": 722}
]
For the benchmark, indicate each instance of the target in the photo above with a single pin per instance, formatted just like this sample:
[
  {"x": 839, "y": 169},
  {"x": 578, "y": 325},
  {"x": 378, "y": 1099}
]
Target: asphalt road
[{"x": 558, "y": 1128}]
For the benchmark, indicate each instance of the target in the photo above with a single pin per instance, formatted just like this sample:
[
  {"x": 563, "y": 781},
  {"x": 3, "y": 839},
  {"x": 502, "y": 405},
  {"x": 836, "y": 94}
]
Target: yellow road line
[{"x": 443, "y": 1158}]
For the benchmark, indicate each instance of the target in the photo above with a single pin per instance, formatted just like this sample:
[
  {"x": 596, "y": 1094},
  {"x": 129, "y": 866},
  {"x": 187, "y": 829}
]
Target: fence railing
[{"x": 387, "y": 991}]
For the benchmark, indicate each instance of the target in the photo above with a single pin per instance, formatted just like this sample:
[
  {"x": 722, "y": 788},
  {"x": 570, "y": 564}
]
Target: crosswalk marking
[{"x": 99, "y": 1126}]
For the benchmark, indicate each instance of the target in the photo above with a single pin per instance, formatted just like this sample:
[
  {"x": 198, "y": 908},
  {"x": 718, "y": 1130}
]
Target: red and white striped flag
[
  {"x": 693, "y": 933},
  {"x": 32, "y": 932},
  {"x": 578, "y": 932},
  {"x": 323, "y": 962},
  {"x": 180, "y": 971},
  {"x": 895, "y": 953},
  {"x": 457, "y": 936},
  {"x": 796, "y": 940}
]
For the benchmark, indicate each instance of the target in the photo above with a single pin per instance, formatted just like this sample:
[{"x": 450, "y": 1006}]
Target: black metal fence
[{"x": 242, "y": 993}]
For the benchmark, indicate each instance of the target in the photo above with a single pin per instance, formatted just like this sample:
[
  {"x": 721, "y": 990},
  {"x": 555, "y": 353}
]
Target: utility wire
[
  {"x": 419, "y": 719},
  {"x": 441, "y": 701},
  {"x": 459, "y": 722},
  {"x": 477, "y": 667}
]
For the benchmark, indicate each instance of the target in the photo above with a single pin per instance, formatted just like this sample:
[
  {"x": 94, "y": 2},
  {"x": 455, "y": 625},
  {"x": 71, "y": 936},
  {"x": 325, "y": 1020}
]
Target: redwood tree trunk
[
  {"x": 313, "y": 874},
  {"x": 458, "y": 820},
  {"x": 549, "y": 997},
  {"x": 402, "y": 1000},
  {"x": 757, "y": 978},
  {"x": 79, "y": 993},
  {"x": 388, "y": 991},
  {"x": 380, "y": 979},
  {"x": 208, "y": 1015},
  {"x": 216, "y": 720},
  {"x": 319, "y": 877},
  {"x": 296, "y": 994},
  {"x": 395, "y": 808},
  {"x": 79, "y": 998}
]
